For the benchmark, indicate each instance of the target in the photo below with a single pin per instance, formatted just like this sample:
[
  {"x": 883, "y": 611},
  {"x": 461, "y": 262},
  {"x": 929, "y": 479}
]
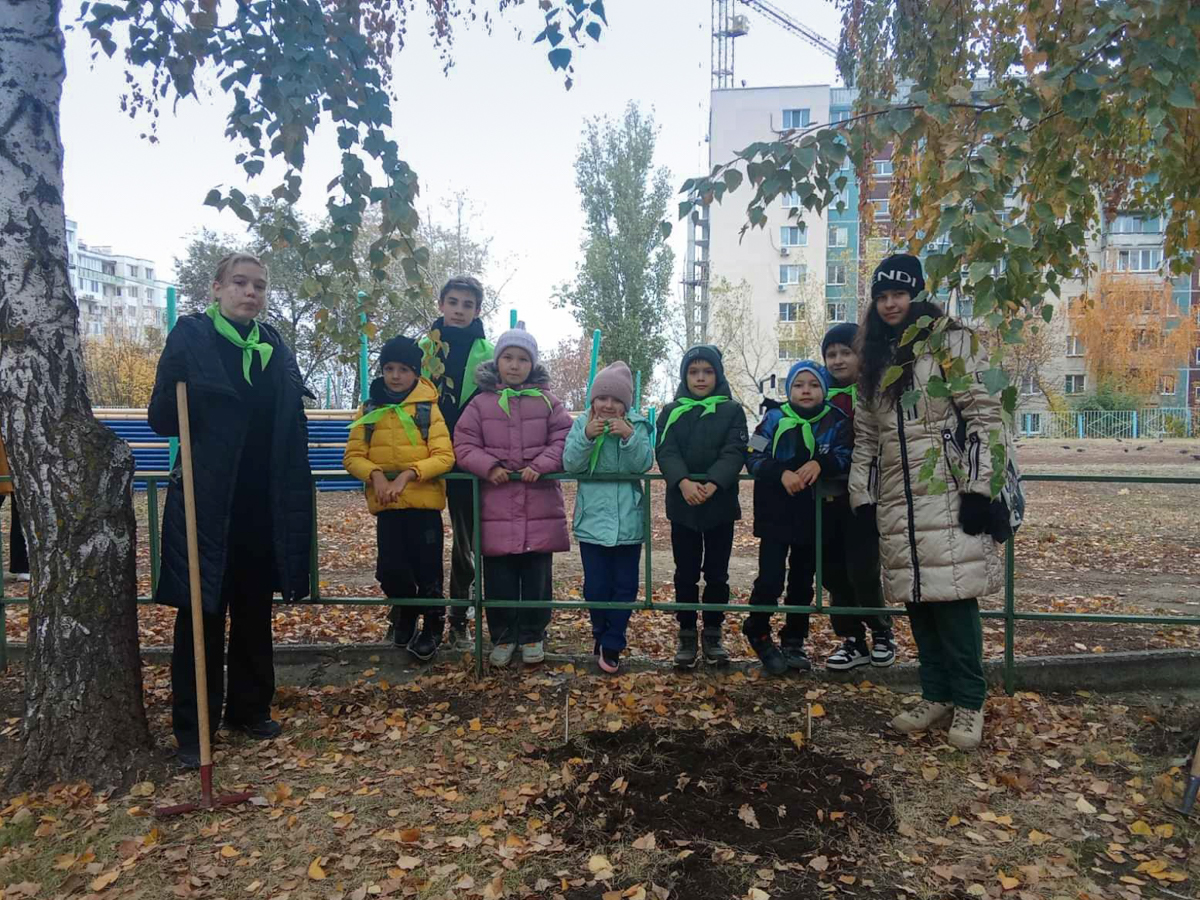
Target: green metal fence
[{"x": 1009, "y": 614}]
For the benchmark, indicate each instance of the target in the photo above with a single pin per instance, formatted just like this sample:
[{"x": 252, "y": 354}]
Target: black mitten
[
  {"x": 974, "y": 513},
  {"x": 1000, "y": 528}
]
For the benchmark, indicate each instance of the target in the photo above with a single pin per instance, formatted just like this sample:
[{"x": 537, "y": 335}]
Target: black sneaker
[
  {"x": 263, "y": 730},
  {"x": 883, "y": 651},
  {"x": 689, "y": 645},
  {"x": 188, "y": 758},
  {"x": 772, "y": 660},
  {"x": 425, "y": 644},
  {"x": 852, "y": 654},
  {"x": 795, "y": 657},
  {"x": 710, "y": 643}
]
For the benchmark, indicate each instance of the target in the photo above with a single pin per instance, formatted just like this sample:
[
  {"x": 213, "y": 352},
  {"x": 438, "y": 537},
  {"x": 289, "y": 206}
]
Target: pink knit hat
[{"x": 615, "y": 380}]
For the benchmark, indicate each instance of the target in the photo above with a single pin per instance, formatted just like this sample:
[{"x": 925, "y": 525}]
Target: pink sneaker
[{"x": 609, "y": 660}]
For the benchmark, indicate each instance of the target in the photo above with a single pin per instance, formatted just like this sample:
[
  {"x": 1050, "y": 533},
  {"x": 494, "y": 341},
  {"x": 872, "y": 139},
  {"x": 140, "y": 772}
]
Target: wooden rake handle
[{"x": 193, "y": 552}]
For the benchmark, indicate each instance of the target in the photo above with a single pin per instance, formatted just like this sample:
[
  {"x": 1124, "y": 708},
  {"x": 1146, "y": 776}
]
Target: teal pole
[
  {"x": 328, "y": 391},
  {"x": 637, "y": 391},
  {"x": 512, "y": 318},
  {"x": 364, "y": 388},
  {"x": 595, "y": 359},
  {"x": 173, "y": 443}
]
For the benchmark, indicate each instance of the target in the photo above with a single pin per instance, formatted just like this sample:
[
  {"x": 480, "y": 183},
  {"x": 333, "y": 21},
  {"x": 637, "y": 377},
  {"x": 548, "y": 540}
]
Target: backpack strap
[{"x": 423, "y": 415}]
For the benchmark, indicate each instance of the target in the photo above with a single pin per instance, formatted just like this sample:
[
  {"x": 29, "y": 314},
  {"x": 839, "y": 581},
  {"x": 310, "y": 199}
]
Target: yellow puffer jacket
[{"x": 390, "y": 449}]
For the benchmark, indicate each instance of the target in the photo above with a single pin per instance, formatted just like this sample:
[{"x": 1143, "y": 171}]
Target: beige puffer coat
[{"x": 923, "y": 551}]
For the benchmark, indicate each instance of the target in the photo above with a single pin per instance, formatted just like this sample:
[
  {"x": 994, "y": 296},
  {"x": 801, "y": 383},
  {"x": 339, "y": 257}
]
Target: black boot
[
  {"x": 686, "y": 655},
  {"x": 425, "y": 644},
  {"x": 714, "y": 653},
  {"x": 772, "y": 660},
  {"x": 795, "y": 657}
]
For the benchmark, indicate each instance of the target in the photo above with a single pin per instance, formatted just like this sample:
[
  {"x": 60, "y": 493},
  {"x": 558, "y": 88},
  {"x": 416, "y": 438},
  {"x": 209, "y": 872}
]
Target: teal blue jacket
[{"x": 610, "y": 513}]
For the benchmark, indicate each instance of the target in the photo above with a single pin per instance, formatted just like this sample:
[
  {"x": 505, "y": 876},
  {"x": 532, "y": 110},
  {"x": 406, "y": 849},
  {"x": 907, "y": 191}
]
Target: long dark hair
[{"x": 878, "y": 346}]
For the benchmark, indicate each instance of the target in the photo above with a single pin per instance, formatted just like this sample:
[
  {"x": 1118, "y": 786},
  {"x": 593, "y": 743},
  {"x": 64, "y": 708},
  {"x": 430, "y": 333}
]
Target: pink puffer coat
[{"x": 517, "y": 517}]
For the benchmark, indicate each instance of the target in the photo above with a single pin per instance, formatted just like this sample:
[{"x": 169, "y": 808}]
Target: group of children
[{"x": 454, "y": 401}]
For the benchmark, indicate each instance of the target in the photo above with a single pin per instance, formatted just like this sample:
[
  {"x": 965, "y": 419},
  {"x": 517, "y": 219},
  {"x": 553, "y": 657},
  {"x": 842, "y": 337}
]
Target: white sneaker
[
  {"x": 852, "y": 654},
  {"x": 532, "y": 654},
  {"x": 922, "y": 717},
  {"x": 883, "y": 652},
  {"x": 966, "y": 731},
  {"x": 502, "y": 655},
  {"x": 22, "y": 576}
]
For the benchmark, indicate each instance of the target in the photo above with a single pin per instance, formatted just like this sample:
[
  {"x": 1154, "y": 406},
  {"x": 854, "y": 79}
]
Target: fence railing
[
  {"x": 1127, "y": 424},
  {"x": 1010, "y": 614}
]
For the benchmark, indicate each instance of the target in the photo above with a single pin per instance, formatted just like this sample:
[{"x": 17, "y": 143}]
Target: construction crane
[
  {"x": 785, "y": 21},
  {"x": 727, "y": 26}
]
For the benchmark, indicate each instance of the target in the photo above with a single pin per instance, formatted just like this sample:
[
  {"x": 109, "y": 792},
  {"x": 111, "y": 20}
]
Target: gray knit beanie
[{"x": 517, "y": 337}]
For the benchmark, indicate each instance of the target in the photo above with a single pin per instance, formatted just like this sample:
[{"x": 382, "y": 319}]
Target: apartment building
[
  {"x": 803, "y": 271},
  {"x": 116, "y": 293}
]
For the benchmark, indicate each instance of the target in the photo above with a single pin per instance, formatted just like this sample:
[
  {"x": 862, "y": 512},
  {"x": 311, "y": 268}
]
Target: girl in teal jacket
[{"x": 609, "y": 515}]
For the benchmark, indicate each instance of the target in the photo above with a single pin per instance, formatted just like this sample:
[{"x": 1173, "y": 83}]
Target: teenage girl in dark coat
[{"x": 253, "y": 498}]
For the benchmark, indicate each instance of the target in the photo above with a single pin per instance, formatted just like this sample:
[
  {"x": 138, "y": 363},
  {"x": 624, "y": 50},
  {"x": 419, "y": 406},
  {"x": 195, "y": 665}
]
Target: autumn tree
[
  {"x": 283, "y": 66},
  {"x": 569, "y": 363},
  {"x": 1133, "y": 333},
  {"x": 1012, "y": 127},
  {"x": 121, "y": 365},
  {"x": 623, "y": 283}
]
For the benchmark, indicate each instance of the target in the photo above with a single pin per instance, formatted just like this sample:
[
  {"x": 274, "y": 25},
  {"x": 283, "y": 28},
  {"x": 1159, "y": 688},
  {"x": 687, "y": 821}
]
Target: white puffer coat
[{"x": 923, "y": 551}]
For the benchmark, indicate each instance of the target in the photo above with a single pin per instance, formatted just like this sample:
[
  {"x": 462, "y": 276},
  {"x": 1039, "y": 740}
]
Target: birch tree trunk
[{"x": 83, "y": 681}]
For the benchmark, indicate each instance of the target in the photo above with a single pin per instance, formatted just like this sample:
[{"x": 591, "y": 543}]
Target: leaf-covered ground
[{"x": 557, "y": 784}]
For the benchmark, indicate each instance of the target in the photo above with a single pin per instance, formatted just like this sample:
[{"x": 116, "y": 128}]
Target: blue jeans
[{"x": 610, "y": 575}]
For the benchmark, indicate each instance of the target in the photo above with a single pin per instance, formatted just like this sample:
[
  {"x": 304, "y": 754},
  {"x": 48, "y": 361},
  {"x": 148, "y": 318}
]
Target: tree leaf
[
  {"x": 890, "y": 376},
  {"x": 1019, "y": 236},
  {"x": 1181, "y": 95}
]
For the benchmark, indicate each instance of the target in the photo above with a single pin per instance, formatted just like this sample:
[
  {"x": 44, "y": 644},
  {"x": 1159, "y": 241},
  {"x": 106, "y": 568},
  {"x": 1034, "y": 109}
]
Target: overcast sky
[{"x": 499, "y": 127}]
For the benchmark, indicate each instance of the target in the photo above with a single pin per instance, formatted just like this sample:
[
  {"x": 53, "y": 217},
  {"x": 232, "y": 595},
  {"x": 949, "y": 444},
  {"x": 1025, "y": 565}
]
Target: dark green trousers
[{"x": 949, "y": 638}]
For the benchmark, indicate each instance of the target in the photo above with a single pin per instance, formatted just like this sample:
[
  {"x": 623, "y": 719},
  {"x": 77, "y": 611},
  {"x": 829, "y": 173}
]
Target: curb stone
[{"x": 1138, "y": 670}]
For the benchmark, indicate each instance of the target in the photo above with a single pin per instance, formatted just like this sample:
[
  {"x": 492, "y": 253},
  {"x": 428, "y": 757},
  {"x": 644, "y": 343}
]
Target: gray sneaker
[
  {"x": 532, "y": 654},
  {"x": 458, "y": 637},
  {"x": 502, "y": 655}
]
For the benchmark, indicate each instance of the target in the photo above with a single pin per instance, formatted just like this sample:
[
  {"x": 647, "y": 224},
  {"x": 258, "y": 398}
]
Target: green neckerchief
[
  {"x": 410, "y": 426},
  {"x": 683, "y": 404},
  {"x": 852, "y": 391},
  {"x": 791, "y": 419},
  {"x": 595, "y": 457},
  {"x": 249, "y": 344},
  {"x": 481, "y": 351},
  {"x": 508, "y": 393}
]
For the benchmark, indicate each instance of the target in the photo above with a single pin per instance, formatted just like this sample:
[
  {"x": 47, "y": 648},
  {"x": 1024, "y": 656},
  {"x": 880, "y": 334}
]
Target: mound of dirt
[{"x": 754, "y": 793}]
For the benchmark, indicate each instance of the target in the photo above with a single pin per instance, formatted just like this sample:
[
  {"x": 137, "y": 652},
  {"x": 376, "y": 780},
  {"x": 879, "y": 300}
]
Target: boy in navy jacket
[{"x": 796, "y": 443}]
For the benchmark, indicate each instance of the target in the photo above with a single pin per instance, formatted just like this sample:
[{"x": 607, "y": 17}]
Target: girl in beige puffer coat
[{"x": 936, "y": 551}]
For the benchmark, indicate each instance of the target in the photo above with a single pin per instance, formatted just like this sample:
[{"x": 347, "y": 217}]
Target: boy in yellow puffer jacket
[{"x": 400, "y": 432}]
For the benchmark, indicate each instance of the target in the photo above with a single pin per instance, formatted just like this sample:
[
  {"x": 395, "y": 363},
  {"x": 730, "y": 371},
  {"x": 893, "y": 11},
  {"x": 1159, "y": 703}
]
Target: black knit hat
[
  {"x": 842, "y": 333},
  {"x": 402, "y": 350},
  {"x": 901, "y": 272},
  {"x": 706, "y": 352}
]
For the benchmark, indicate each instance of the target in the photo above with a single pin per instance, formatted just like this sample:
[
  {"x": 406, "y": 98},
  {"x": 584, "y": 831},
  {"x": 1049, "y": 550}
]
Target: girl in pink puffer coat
[{"x": 514, "y": 426}]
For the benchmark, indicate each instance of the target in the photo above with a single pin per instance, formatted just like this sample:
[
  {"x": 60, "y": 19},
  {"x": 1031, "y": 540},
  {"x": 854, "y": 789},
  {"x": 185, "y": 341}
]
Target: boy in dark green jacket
[
  {"x": 702, "y": 432},
  {"x": 453, "y": 348}
]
